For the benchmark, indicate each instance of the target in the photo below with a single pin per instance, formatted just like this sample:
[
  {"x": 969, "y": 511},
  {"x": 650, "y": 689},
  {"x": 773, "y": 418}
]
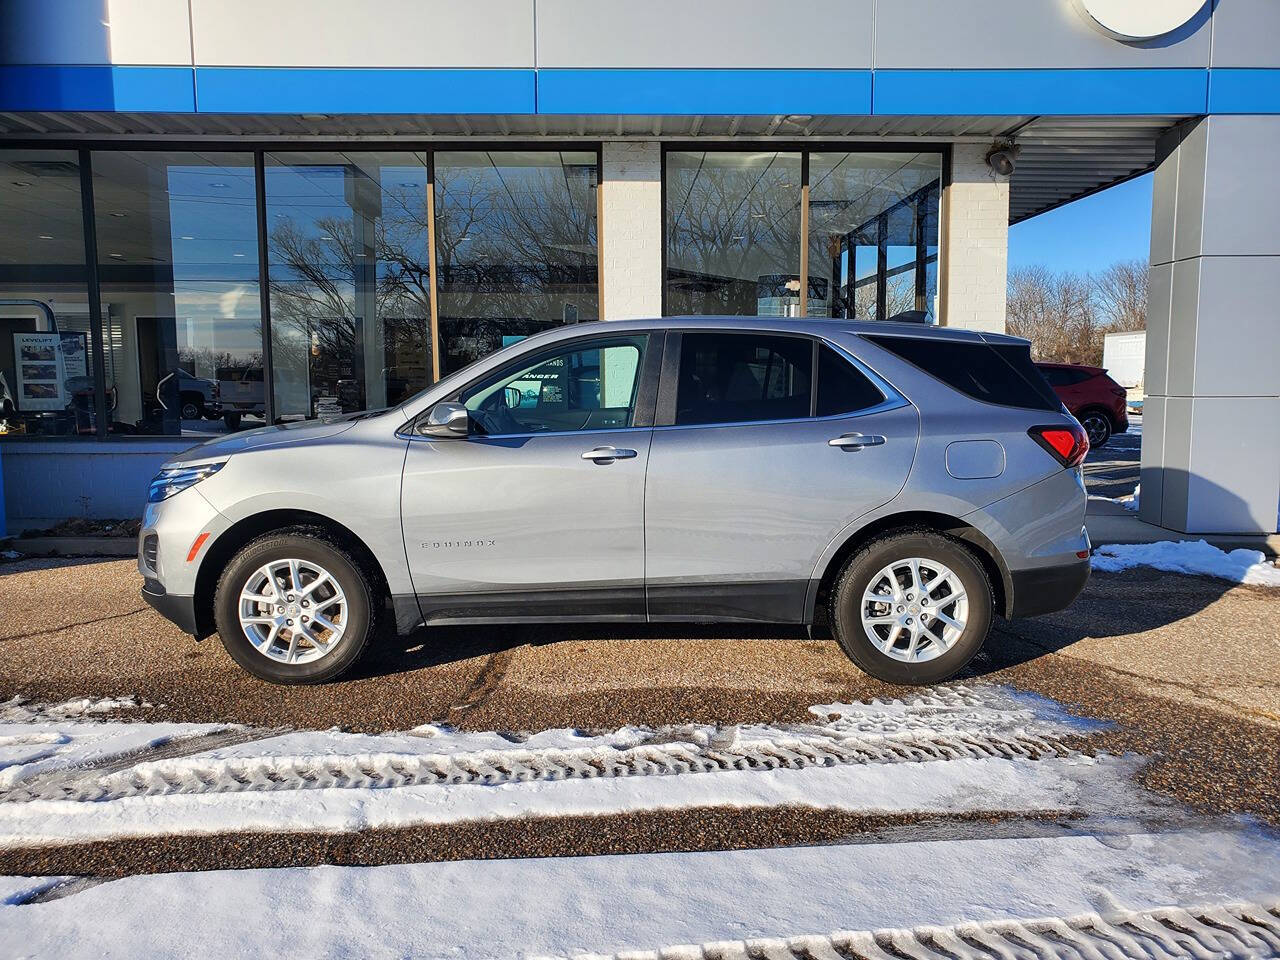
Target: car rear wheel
[
  {"x": 192, "y": 409},
  {"x": 1098, "y": 426},
  {"x": 295, "y": 607},
  {"x": 912, "y": 608},
  {"x": 232, "y": 420}
]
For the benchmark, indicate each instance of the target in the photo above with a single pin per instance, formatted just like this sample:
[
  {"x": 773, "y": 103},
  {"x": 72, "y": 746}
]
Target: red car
[{"x": 1093, "y": 398}]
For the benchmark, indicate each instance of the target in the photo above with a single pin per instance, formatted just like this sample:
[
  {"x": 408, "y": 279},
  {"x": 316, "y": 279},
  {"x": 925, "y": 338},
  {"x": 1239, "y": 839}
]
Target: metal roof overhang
[{"x": 1061, "y": 159}]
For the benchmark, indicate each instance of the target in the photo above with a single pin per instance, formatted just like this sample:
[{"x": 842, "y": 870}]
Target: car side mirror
[{"x": 446, "y": 421}]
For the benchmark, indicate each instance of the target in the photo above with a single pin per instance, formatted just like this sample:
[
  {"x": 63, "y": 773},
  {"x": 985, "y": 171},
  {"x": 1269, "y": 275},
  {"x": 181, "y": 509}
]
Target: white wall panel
[
  {"x": 705, "y": 33},
  {"x": 1014, "y": 34},
  {"x": 369, "y": 33}
]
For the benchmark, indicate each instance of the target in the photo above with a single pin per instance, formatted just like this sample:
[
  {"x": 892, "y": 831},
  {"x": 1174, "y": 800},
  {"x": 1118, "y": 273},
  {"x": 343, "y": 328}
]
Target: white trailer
[{"x": 1125, "y": 357}]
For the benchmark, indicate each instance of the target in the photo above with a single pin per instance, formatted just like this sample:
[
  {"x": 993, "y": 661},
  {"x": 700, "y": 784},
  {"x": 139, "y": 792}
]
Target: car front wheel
[
  {"x": 912, "y": 608},
  {"x": 295, "y": 607}
]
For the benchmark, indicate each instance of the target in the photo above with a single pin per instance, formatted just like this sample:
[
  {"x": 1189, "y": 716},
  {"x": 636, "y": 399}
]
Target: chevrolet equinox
[{"x": 904, "y": 483}]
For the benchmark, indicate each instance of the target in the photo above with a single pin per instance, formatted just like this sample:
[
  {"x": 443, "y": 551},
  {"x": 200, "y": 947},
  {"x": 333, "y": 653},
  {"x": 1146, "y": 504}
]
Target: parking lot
[{"x": 1171, "y": 662}]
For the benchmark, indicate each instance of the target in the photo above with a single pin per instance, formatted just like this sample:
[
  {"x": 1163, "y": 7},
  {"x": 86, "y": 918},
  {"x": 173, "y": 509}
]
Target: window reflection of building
[
  {"x": 734, "y": 233},
  {"x": 348, "y": 255},
  {"x": 177, "y": 266},
  {"x": 388, "y": 269},
  {"x": 873, "y": 236},
  {"x": 515, "y": 246},
  {"x": 42, "y": 289}
]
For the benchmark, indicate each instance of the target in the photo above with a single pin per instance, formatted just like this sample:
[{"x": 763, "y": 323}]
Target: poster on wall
[
  {"x": 41, "y": 371},
  {"x": 75, "y": 354}
]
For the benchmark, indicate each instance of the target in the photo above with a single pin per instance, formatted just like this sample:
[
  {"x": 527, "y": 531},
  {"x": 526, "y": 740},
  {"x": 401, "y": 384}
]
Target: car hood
[{"x": 264, "y": 437}]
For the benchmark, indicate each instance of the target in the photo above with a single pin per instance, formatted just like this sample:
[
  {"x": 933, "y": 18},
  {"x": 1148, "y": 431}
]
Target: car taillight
[{"x": 1067, "y": 445}]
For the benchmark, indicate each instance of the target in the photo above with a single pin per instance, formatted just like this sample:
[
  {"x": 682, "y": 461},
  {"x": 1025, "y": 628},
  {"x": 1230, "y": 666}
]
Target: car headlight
[{"x": 176, "y": 479}]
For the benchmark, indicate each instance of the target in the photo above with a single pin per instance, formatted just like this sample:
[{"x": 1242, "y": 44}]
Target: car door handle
[
  {"x": 855, "y": 441},
  {"x": 608, "y": 454}
]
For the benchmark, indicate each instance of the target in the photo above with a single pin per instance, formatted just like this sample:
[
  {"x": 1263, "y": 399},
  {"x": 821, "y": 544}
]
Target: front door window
[{"x": 587, "y": 386}]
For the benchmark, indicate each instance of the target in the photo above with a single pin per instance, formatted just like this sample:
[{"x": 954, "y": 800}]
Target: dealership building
[{"x": 216, "y": 214}]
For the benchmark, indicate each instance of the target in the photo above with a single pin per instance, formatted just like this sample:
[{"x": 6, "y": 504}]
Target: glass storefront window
[
  {"x": 873, "y": 235},
  {"x": 733, "y": 233},
  {"x": 46, "y": 383},
  {"x": 515, "y": 247},
  {"x": 348, "y": 247},
  {"x": 178, "y": 275}
]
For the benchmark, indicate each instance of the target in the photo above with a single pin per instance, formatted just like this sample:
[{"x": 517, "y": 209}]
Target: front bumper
[
  {"x": 175, "y": 607},
  {"x": 1046, "y": 589}
]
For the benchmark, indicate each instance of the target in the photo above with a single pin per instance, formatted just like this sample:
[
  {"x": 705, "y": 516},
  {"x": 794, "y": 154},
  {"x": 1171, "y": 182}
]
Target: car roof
[
  {"x": 814, "y": 326},
  {"x": 1071, "y": 366}
]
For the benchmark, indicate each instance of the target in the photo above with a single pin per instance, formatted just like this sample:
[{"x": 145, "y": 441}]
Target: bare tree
[
  {"x": 1122, "y": 295},
  {"x": 1057, "y": 312}
]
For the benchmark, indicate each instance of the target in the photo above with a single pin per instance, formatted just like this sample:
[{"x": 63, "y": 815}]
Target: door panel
[
  {"x": 738, "y": 515},
  {"x": 525, "y": 528}
]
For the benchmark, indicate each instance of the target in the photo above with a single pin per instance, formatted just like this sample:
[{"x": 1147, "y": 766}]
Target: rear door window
[
  {"x": 994, "y": 373},
  {"x": 743, "y": 377},
  {"x": 842, "y": 387}
]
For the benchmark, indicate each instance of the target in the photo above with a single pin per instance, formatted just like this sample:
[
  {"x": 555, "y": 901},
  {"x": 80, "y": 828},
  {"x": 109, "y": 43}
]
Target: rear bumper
[
  {"x": 1046, "y": 589},
  {"x": 175, "y": 607}
]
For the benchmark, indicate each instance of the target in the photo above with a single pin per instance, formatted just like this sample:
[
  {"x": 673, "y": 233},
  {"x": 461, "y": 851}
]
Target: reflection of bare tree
[
  {"x": 323, "y": 271},
  {"x": 516, "y": 246},
  {"x": 729, "y": 226},
  {"x": 207, "y": 362}
]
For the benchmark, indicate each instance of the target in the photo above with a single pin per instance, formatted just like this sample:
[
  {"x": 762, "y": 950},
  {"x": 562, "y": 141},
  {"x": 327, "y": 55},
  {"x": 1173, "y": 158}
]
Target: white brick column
[
  {"x": 630, "y": 230},
  {"x": 975, "y": 243}
]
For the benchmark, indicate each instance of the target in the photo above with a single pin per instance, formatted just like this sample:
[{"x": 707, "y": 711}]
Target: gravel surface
[{"x": 704, "y": 828}]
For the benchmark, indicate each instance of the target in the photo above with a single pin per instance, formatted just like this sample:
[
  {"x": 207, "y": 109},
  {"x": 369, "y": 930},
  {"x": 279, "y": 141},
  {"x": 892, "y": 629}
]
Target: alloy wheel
[
  {"x": 293, "y": 611},
  {"x": 914, "y": 610}
]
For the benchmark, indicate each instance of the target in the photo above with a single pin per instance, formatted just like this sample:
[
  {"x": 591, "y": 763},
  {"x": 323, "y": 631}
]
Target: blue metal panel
[
  {"x": 1244, "y": 91},
  {"x": 89, "y": 88},
  {"x": 1111, "y": 92},
  {"x": 356, "y": 90},
  {"x": 680, "y": 92}
]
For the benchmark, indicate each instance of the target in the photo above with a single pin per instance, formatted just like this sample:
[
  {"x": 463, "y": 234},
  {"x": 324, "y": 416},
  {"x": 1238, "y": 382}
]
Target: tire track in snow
[
  {"x": 1227, "y": 931},
  {"x": 948, "y": 724}
]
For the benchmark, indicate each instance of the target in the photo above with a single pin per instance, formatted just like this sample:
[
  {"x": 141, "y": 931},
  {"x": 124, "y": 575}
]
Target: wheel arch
[
  {"x": 250, "y": 528},
  {"x": 980, "y": 544}
]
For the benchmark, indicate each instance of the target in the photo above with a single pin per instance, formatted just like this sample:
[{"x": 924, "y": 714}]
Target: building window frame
[
  {"x": 86, "y": 146},
  {"x": 805, "y": 148}
]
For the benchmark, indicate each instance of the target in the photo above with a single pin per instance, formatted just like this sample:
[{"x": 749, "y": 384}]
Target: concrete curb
[{"x": 74, "y": 546}]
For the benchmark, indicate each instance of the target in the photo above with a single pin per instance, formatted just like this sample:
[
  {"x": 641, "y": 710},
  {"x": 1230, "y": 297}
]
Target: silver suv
[{"x": 904, "y": 483}]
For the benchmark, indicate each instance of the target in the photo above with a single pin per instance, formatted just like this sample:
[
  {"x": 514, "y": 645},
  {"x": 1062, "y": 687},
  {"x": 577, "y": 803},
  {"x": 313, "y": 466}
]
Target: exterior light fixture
[{"x": 1003, "y": 157}]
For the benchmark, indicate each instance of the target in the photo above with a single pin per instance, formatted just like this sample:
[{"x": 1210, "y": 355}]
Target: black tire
[
  {"x": 1097, "y": 423},
  {"x": 232, "y": 420},
  {"x": 363, "y": 603},
  {"x": 192, "y": 407},
  {"x": 855, "y": 579}
]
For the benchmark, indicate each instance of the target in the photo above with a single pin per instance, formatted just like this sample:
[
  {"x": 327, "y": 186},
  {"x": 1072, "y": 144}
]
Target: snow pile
[
  {"x": 18, "y": 710},
  {"x": 1133, "y": 500},
  {"x": 949, "y": 749},
  {"x": 1189, "y": 556},
  {"x": 605, "y": 905}
]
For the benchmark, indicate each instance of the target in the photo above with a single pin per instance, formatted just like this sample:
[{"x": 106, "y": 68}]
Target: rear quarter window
[{"x": 1002, "y": 374}]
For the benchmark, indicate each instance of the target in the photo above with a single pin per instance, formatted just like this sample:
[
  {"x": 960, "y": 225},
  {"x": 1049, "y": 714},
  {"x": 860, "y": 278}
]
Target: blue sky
[{"x": 1089, "y": 234}]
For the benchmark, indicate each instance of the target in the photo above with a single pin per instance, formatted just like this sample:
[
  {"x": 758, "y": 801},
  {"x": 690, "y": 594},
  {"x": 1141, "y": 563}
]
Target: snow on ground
[
  {"x": 953, "y": 748},
  {"x": 607, "y": 904},
  {"x": 1189, "y": 556}
]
